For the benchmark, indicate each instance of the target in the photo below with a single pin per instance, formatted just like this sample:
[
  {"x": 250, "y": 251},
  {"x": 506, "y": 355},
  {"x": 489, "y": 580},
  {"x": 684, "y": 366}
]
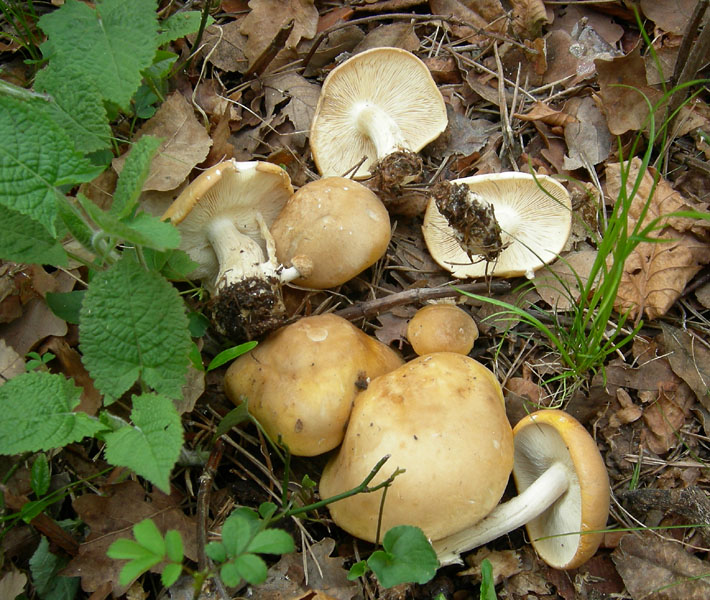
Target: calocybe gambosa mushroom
[
  {"x": 563, "y": 495},
  {"x": 533, "y": 219},
  {"x": 224, "y": 217},
  {"x": 377, "y": 102}
]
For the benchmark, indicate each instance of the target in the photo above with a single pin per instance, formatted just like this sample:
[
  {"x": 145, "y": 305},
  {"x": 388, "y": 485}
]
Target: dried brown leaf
[
  {"x": 689, "y": 358},
  {"x": 480, "y": 15},
  {"x": 112, "y": 516},
  {"x": 528, "y": 18},
  {"x": 185, "y": 144},
  {"x": 223, "y": 46},
  {"x": 301, "y": 96},
  {"x": 667, "y": 413},
  {"x": 669, "y": 15},
  {"x": 657, "y": 569},
  {"x": 588, "y": 139},
  {"x": 542, "y": 112},
  {"x": 323, "y": 577},
  {"x": 267, "y": 17},
  {"x": 397, "y": 35},
  {"x": 558, "y": 284}
]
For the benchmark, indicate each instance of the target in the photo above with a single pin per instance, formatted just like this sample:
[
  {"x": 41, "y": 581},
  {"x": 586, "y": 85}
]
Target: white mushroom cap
[
  {"x": 373, "y": 104},
  {"x": 239, "y": 199},
  {"x": 535, "y": 224}
]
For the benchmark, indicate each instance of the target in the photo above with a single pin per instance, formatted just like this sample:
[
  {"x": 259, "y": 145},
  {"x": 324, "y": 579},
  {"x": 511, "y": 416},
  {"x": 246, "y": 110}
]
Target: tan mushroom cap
[
  {"x": 582, "y": 511},
  {"x": 233, "y": 190},
  {"x": 535, "y": 223},
  {"x": 441, "y": 418},
  {"x": 301, "y": 381},
  {"x": 341, "y": 226},
  {"x": 442, "y": 327},
  {"x": 376, "y": 102}
]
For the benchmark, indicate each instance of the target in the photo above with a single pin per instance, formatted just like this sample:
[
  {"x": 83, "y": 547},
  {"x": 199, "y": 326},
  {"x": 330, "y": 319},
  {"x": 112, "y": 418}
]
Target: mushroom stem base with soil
[
  {"x": 381, "y": 129},
  {"x": 507, "y": 516}
]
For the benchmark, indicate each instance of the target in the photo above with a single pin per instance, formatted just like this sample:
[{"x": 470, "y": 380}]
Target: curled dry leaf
[
  {"x": 528, "y": 18},
  {"x": 656, "y": 273},
  {"x": 185, "y": 144},
  {"x": 653, "y": 567},
  {"x": 670, "y": 15},
  {"x": 550, "y": 116},
  {"x": 587, "y": 136}
]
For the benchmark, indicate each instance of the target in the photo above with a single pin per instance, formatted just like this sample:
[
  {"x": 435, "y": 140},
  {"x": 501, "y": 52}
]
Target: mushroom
[
  {"x": 441, "y": 418},
  {"x": 375, "y": 103},
  {"x": 337, "y": 225},
  {"x": 563, "y": 494},
  {"x": 301, "y": 381},
  {"x": 224, "y": 217},
  {"x": 441, "y": 327},
  {"x": 534, "y": 214}
]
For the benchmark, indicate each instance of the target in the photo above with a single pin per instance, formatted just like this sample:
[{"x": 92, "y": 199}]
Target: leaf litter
[{"x": 561, "y": 65}]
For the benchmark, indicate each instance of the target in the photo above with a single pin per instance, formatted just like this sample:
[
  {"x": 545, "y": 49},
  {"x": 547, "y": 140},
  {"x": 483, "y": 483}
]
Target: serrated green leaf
[
  {"x": 179, "y": 25},
  {"x": 216, "y": 551},
  {"x": 46, "y": 580},
  {"x": 150, "y": 448},
  {"x": 50, "y": 423},
  {"x": 126, "y": 549},
  {"x": 271, "y": 541},
  {"x": 133, "y": 324},
  {"x": 110, "y": 44},
  {"x": 133, "y": 175},
  {"x": 136, "y": 568},
  {"x": 77, "y": 105},
  {"x": 230, "y": 574},
  {"x": 236, "y": 533},
  {"x": 40, "y": 476},
  {"x": 170, "y": 574},
  {"x": 36, "y": 157},
  {"x": 173, "y": 545},
  {"x": 407, "y": 557},
  {"x": 141, "y": 230},
  {"x": 73, "y": 220},
  {"x": 66, "y": 305},
  {"x": 148, "y": 535},
  {"x": 24, "y": 240},
  {"x": 251, "y": 568},
  {"x": 174, "y": 265}
]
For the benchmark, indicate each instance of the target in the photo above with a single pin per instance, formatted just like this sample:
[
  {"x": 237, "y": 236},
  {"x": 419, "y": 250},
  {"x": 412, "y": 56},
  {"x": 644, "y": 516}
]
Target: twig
[
  {"x": 374, "y": 307},
  {"x": 203, "y": 501}
]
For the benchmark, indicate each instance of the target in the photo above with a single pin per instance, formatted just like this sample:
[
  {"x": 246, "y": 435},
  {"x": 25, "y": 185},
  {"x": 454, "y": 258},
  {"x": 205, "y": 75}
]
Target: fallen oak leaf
[
  {"x": 690, "y": 360},
  {"x": 112, "y": 516}
]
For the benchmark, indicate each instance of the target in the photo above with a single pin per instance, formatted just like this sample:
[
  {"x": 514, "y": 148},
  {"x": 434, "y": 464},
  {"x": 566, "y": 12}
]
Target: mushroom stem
[
  {"x": 238, "y": 255},
  {"x": 381, "y": 129},
  {"x": 507, "y": 516}
]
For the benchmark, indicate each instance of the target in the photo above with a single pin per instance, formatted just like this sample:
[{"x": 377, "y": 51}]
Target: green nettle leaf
[
  {"x": 251, "y": 568},
  {"x": 25, "y": 240},
  {"x": 36, "y": 157},
  {"x": 133, "y": 175},
  {"x": 111, "y": 44},
  {"x": 133, "y": 325},
  {"x": 272, "y": 541},
  {"x": 51, "y": 422},
  {"x": 150, "y": 448},
  {"x": 179, "y": 25},
  {"x": 46, "y": 580},
  {"x": 77, "y": 105},
  {"x": 66, "y": 305},
  {"x": 407, "y": 557}
]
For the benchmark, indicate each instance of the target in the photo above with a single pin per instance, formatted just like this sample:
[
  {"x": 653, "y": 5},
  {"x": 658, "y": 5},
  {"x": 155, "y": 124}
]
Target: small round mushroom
[
  {"x": 534, "y": 214},
  {"x": 376, "y": 102},
  {"x": 563, "y": 496},
  {"x": 224, "y": 217},
  {"x": 337, "y": 224},
  {"x": 441, "y": 327},
  {"x": 441, "y": 418},
  {"x": 301, "y": 381}
]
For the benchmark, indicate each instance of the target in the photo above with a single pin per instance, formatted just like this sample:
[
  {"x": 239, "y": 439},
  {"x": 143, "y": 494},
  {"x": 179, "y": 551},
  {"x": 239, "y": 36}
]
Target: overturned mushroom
[
  {"x": 377, "y": 102},
  {"x": 533, "y": 219},
  {"x": 441, "y": 418},
  {"x": 337, "y": 225},
  {"x": 301, "y": 381},
  {"x": 563, "y": 494},
  {"x": 224, "y": 217}
]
